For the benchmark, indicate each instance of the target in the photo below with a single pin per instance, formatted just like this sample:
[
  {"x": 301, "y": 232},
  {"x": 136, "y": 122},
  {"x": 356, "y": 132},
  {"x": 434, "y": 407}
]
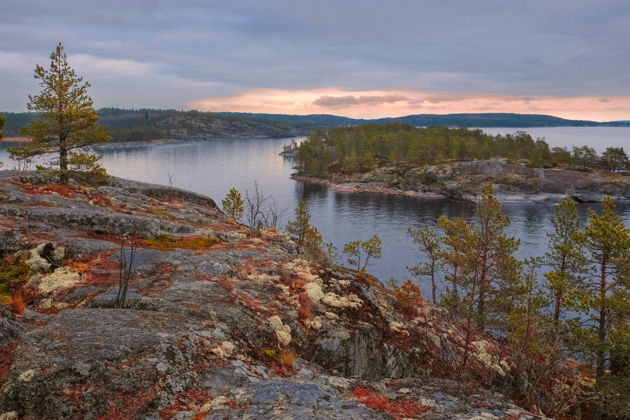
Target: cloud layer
[{"x": 174, "y": 54}]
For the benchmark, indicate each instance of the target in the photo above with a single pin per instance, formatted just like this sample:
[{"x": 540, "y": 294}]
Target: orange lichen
[{"x": 397, "y": 408}]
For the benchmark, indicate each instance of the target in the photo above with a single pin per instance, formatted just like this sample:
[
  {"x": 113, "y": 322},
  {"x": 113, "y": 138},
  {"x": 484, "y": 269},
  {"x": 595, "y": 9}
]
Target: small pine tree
[
  {"x": 359, "y": 253},
  {"x": 301, "y": 225},
  {"x": 233, "y": 204},
  {"x": 430, "y": 245},
  {"x": 2, "y": 121}
]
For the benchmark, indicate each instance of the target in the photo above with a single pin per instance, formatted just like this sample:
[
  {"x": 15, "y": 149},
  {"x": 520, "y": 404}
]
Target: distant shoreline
[{"x": 15, "y": 140}]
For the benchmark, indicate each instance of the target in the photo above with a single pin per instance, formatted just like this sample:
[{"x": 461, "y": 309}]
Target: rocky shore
[
  {"x": 219, "y": 323},
  {"x": 463, "y": 181}
]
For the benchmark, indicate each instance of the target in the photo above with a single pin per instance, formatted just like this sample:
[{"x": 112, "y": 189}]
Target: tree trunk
[
  {"x": 63, "y": 166},
  {"x": 556, "y": 309},
  {"x": 433, "y": 285},
  {"x": 601, "y": 330}
]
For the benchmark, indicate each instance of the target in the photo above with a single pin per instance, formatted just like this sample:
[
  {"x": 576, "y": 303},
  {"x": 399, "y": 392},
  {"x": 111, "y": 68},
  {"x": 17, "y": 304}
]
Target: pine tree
[
  {"x": 496, "y": 270},
  {"x": 429, "y": 243},
  {"x": 565, "y": 257},
  {"x": 233, "y": 204},
  {"x": 605, "y": 299},
  {"x": 360, "y": 252},
  {"x": 2, "y": 121},
  {"x": 67, "y": 120},
  {"x": 301, "y": 225},
  {"x": 479, "y": 262},
  {"x": 457, "y": 258}
]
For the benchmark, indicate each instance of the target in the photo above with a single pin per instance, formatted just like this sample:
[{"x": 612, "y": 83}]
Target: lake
[{"x": 213, "y": 167}]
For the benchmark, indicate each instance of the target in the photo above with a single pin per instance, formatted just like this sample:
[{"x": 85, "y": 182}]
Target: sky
[{"x": 357, "y": 58}]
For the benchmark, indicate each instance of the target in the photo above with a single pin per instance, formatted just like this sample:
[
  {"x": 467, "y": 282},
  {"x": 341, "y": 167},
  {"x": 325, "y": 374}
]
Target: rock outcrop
[
  {"x": 219, "y": 322},
  {"x": 463, "y": 180}
]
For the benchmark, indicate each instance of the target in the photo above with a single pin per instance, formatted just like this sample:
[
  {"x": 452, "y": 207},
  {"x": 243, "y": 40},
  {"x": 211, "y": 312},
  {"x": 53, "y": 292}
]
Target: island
[{"x": 398, "y": 158}]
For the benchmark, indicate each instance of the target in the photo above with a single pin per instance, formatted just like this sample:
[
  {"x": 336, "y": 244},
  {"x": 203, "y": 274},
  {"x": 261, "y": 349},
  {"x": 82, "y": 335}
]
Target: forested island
[{"x": 455, "y": 162}]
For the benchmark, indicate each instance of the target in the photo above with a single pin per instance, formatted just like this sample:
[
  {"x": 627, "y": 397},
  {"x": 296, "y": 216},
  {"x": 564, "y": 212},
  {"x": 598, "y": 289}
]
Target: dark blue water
[{"x": 213, "y": 167}]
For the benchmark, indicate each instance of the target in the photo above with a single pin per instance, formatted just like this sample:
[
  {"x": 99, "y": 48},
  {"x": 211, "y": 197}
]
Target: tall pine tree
[
  {"x": 67, "y": 119},
  {"x": 565, "y": 257}
]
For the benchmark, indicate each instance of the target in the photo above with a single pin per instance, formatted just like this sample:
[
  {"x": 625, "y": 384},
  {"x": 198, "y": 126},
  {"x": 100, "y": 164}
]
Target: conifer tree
[
  {"x": 2, "y": 121},
  {"x": 233, "y": 204},
  {"x": 67, "y": 119},
  {"x": 457, "y": 258},
  {"x": 565, "y": 257},
  {"x": 301, "y": 225},
  {"x": 429, "y": 243},
  {"x": 606, "y": 297},
  {"x": 496, "y": 271},
  {"x": 360, "y": 252}
]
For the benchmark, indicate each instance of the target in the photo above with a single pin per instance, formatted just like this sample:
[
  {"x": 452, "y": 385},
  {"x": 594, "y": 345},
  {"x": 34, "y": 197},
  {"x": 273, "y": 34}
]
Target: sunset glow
[{"x": 394, "y": 103}]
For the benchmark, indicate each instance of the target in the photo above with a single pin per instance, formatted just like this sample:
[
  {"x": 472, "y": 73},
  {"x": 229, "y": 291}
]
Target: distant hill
[
  {"x": 448, "y": 120},
  {"x": 150, "y": 124}
]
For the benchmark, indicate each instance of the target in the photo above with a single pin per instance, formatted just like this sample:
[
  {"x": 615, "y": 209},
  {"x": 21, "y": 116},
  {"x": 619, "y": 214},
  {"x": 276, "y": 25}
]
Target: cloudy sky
[{"x": 361, "y": 58}]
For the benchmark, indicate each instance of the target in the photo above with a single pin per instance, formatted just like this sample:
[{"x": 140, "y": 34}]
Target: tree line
[
  {"x": 402, "y": 146},
  {"x": 581, "y": 308}
]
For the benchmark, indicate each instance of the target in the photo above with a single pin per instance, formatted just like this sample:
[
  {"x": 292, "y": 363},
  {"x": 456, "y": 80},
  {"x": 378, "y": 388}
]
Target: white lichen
[
  {"x": 283, "y": 337},
  {"x": 61, "y": 278},
  {"x": 314, "y": 291},
  {"x": 261, "y": 277},
  {"x": 336, "y": 301},
  {"x": 225, "y": 350},
  {"x": 314, "y": 323},
  {"x": 220, "y": 400},
  {"x": 283, "y": 332},
  {"x": 343, "y": 335},
  {"x": 331, "y": 315},
  {"x": 27, "y": 375},
  {"x": 395, "y": 326}
]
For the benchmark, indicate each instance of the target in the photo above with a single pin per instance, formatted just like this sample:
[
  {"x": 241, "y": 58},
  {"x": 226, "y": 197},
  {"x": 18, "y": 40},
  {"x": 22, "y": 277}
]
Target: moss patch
[
  {"x": 13, "y": 273},
  {"x": 167, "y": 243},
  {"x": 162, "y": 212}
]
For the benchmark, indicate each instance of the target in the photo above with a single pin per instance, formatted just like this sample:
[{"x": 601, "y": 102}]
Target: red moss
[
  {"x": 304, "y": 314},
  {"x": 17, "y": 304},
  {"x": 6, "y": 358},
  {"x": 408, "y": 298},
  {"x": 186, "y": 401},
  {"x": 397, "y": 408},
  {"x": 255, "y": 304},
  {"x": 225, "y": 282},
  {"x": 128, "y": 406}
]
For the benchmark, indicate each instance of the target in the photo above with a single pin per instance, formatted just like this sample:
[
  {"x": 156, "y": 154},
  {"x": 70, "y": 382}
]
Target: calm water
[{"x": 213, "y": 167}]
